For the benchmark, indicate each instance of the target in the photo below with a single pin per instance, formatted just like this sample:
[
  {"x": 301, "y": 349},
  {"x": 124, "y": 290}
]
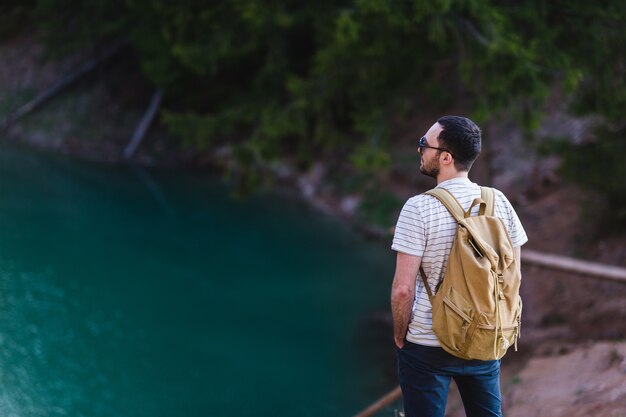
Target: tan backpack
[{"x": 477, "y": 308}]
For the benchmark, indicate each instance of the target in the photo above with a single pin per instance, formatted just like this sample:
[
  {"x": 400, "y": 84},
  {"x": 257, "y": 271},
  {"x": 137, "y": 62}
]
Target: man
[{"x": 424, "y": 236}]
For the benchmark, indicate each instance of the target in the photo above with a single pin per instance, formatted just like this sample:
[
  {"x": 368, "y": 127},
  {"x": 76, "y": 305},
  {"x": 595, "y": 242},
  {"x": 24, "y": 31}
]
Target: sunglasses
[{"x": 423, "y": 145}]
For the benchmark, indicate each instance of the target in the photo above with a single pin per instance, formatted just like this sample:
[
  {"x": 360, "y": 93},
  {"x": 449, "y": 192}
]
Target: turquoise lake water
[{"x": 126, "y": 292}]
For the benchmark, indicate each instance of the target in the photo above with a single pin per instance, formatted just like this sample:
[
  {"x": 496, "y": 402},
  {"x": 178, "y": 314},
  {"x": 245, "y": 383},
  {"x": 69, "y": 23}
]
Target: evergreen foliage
[
  {"x": 307, "y": 79},
  {"x": 13, "y": 17}
]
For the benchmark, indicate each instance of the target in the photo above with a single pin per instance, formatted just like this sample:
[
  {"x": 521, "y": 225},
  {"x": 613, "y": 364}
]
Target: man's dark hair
[{"x": 461, "y": 137}]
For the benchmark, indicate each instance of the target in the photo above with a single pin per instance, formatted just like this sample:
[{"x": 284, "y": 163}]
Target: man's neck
[{"x": 451, "y": 175}]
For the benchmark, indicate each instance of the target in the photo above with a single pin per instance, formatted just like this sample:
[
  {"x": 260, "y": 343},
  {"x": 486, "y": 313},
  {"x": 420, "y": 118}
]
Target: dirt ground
[
  {"x": 588, "y": 381},
  {"x": 573, "y": 325}
]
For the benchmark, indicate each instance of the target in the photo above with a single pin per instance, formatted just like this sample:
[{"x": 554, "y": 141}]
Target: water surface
[{"x": 132, "y": 293}]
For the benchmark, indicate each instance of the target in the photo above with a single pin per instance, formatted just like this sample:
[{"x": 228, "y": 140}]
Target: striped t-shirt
[{"x": 426, "y": 229}]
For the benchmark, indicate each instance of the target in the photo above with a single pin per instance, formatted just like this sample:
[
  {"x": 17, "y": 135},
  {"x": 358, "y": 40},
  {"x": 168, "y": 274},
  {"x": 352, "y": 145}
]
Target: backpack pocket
[
  {"x": 454, "y": 322},
  {"x": 492, "y": 343},
  {"x": 489, "y": 342}
]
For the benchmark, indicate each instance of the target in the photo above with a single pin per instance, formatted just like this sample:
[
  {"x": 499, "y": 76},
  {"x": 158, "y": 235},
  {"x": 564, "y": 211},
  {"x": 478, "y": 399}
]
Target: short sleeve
[
  {"x": 409, "y": 236},
  {"x": 514, "y": 225}
]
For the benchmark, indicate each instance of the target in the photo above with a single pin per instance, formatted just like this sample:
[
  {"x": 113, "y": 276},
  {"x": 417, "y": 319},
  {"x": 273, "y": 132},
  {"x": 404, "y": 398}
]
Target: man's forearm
[
  {"x": 401, "y": 308},
  {"x": 403, "y": 294}
]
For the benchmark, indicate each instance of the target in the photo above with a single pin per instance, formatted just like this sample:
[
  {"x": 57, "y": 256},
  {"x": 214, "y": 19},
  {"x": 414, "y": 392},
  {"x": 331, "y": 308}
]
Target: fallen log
[{"x": 60, "y": 85}]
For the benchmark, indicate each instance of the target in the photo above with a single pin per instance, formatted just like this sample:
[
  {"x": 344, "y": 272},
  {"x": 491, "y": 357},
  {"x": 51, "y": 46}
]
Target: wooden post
[
  {"x": 143, "y": 126},
  {"x": 381, "y": 403}
]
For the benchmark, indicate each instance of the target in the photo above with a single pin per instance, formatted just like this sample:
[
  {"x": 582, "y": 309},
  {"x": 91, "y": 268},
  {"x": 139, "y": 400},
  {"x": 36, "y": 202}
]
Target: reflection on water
[{"x": 128, "y": 293}]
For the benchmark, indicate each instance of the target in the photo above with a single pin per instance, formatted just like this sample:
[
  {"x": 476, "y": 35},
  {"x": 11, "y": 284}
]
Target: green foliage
[
  {"x": 310, "y": 75},
  {"x": 248, "y": 170},
  {"x": 378, "y": 206},
  {"x": 370, "y": 159},
  {"x": 14, "y": 17},
  {"x": 590, "y": 39},
  {"x": 69, "y": 25},
  {"x": 10, "y": 102},
  {"x": 599, "y": 166},
  {"x": 318, "y": 79}
]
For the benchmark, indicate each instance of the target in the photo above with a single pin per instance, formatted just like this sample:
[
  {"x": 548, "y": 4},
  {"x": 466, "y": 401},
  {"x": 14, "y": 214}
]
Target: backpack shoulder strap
[
  {"x": 425, "y": 281},
  {"x": 488, "y": 196},
  {"x": 449, "y": 202}
]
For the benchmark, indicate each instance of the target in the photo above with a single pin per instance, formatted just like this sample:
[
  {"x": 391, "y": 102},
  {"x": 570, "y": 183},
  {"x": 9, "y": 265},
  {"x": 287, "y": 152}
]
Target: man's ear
[{"x": 447, "y": 158}]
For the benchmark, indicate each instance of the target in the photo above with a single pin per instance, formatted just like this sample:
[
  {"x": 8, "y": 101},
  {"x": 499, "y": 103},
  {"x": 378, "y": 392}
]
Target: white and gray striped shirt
[{"x": 426, "y": 229}]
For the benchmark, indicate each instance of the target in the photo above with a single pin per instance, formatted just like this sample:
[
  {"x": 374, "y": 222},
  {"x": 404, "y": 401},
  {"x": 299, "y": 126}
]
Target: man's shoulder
[
  {"x": 496, "y": 191},
  {"x": 499, "y": 195},
  {"x": 420, "y": 200}
]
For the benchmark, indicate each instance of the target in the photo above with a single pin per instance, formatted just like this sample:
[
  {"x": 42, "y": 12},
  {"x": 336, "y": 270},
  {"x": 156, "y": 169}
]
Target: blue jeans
[{"x": 425, "y": 373}]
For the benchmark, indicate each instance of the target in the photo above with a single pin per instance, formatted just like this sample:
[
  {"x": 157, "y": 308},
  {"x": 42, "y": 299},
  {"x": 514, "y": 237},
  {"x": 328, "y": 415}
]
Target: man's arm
[{"x": 403, "y": 294}]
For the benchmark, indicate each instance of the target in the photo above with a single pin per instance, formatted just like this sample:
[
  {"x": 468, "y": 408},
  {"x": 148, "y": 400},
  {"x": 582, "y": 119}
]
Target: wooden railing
[{"x": 563, "y": 263}]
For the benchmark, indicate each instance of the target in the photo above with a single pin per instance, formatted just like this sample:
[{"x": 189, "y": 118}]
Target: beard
[{"x": 431, "y": 169}]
